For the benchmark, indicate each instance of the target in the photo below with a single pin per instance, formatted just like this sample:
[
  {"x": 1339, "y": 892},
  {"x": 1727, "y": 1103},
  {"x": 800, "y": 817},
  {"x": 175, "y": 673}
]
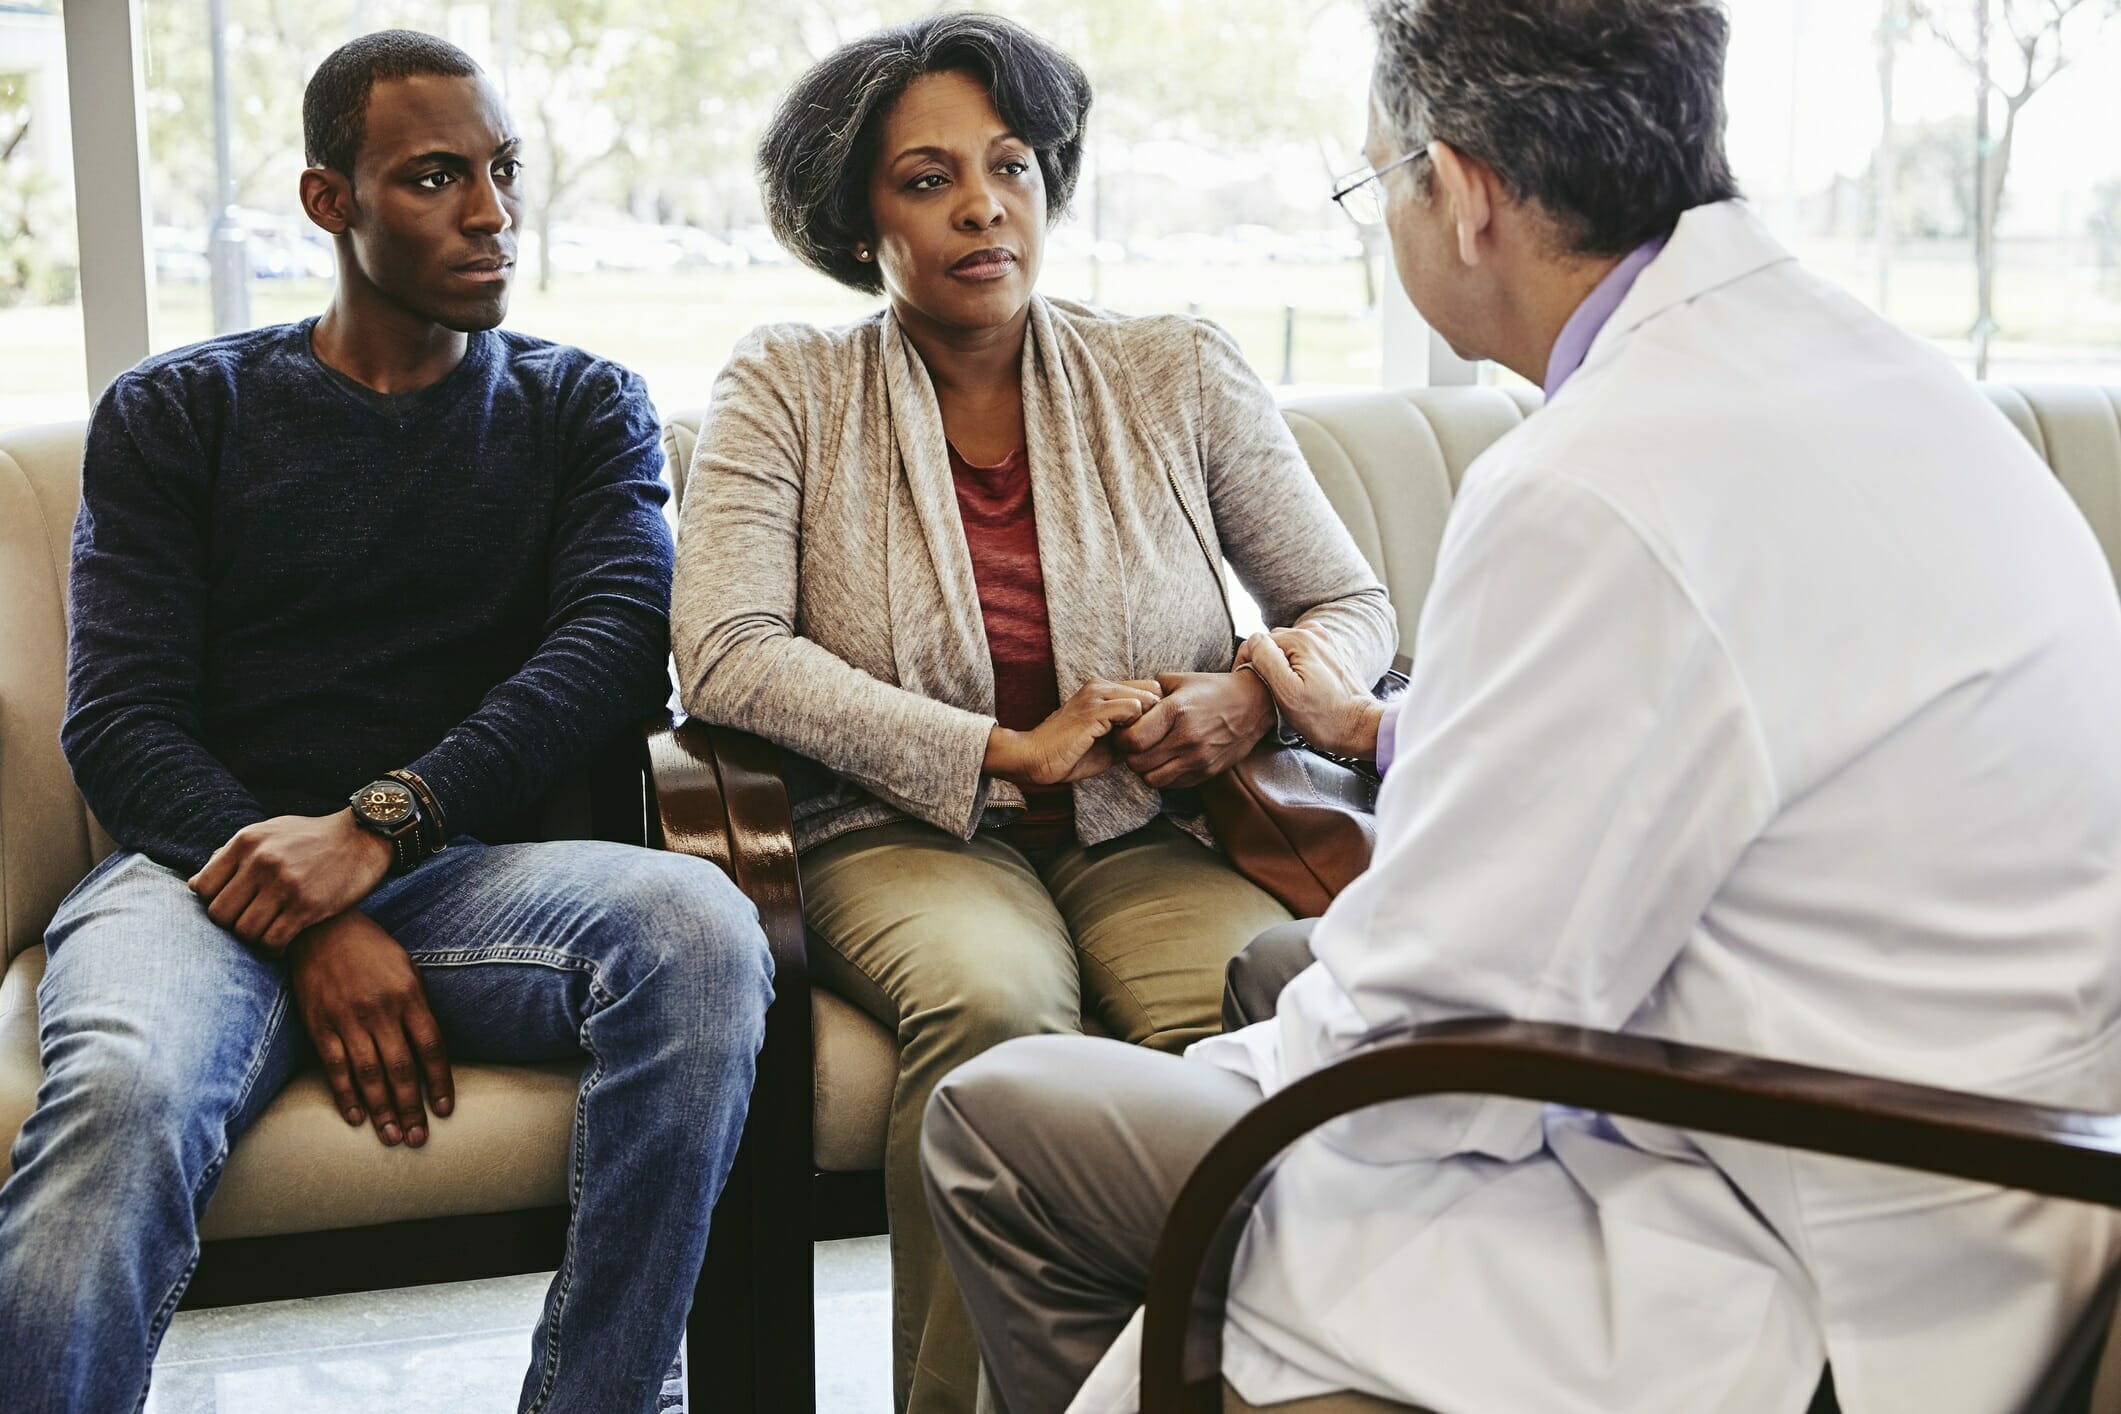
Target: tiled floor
[{"x": 462, "y": 1349}]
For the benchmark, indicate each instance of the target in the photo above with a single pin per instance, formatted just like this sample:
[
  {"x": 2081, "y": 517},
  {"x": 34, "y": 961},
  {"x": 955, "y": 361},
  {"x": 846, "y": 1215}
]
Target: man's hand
[
  {"x": 1318, "y": 697},
  {"x": 1071, "y": 744},
  {"x": 1205, "y": 724},
  {"x": 280, "y": 876},
  {"x": 360, "y": 997}
]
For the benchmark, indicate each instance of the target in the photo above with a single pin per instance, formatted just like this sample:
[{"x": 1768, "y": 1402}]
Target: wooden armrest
[
  {"x": 718, "y": 794},
  {"x": 2062, "y": 1153}
]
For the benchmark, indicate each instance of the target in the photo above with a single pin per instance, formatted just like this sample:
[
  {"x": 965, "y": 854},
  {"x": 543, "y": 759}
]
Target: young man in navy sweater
[{"x": 350, "y": 596}]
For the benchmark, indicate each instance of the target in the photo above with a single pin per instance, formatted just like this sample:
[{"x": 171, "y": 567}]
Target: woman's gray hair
[
  {"x": 817, "y": 152},
  {"x": 1607, "y": 114}
]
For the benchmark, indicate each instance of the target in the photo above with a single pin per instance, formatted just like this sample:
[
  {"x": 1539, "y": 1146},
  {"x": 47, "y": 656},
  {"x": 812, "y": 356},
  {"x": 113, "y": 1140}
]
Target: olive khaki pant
[{"x": 957, "y": 946}]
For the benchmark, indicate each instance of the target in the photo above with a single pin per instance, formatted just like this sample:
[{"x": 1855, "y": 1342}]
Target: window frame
[{"x": 106, "y": 84}]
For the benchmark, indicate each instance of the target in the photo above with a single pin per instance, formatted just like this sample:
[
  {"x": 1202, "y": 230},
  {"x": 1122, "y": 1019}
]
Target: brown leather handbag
[{"x": 1300, "y": 824}]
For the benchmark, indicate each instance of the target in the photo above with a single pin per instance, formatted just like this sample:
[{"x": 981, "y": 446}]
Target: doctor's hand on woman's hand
[
  {"x": 1205, "y": 724},
  {"x": 1073, "y": 744},
  {"x": 1318, "y": 697}
]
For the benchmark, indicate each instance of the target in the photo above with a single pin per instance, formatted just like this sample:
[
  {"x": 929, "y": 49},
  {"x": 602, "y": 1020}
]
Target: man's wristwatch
[{"x": 389, "y": 808}]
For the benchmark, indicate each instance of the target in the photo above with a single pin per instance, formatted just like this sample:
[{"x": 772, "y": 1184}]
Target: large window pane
[
  {"x": 1218, "y": 127},
  {"x": 42, "y": 374},
  {"x": 1855, "y": 129}
]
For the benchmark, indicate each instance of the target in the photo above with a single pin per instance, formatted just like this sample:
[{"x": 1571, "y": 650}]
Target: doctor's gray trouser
[{"x": 1050, "y": 1163}]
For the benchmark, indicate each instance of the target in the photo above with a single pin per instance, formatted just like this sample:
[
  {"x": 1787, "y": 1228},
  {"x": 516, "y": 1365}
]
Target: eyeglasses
[{"x": 1362, "y": 195}]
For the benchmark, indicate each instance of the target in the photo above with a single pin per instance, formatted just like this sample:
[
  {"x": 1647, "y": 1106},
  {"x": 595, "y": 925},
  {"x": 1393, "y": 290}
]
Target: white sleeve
[{"x": 1579, "y": 767}]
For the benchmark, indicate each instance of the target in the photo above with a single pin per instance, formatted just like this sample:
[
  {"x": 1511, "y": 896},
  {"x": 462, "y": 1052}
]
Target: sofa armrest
[{"x": 2062, "y": 1153}]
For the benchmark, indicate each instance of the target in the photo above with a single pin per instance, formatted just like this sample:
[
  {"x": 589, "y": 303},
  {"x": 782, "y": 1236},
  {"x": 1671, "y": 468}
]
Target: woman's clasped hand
[
  {"x": 1075, "y": 743},
  {"x": 1178, "y": 730}
]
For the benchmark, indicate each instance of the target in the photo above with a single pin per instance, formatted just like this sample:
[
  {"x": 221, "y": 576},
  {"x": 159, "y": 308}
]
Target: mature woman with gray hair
[
  {"x": 1765, "y": 701},
  {"x": 963, "y": 559}
]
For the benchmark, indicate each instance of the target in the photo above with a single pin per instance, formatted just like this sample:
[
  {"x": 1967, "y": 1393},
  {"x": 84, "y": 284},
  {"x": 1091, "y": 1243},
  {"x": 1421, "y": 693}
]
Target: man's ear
[
  {"x": 1468, "y": 187},
  {"x": 327, "y": 199}
]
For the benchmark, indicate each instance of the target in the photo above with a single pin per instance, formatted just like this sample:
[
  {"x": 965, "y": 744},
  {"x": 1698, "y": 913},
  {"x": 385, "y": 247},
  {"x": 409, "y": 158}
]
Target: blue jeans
[{"x": 163, "y": 1038}]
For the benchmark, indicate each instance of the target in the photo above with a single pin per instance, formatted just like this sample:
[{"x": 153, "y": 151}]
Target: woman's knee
[
  {"x": 955, "y": 969},
  {"x": 986, "y": 1009}
]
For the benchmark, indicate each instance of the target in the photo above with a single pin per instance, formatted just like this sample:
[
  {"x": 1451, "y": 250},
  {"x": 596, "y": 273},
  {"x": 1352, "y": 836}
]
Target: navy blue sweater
[{"x": 281, "y": 589}]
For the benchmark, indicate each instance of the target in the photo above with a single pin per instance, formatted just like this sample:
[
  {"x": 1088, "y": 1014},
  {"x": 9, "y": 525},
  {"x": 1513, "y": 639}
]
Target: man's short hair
[
  {"x": 335, "y": 104},
  {"x": 817, "y": 152},
  {"x": 1608, "y": 114}
]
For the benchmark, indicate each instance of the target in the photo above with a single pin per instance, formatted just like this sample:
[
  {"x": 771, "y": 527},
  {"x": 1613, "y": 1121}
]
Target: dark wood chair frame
[
  {"x": 2061, "y": 1153},
  {"x": 615, "y": 799}
]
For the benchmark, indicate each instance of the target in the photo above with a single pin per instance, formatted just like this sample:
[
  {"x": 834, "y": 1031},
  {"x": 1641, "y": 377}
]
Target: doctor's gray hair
[
  {"x": 818, "y": 149},
  {"x": 1606, "y": 114}
]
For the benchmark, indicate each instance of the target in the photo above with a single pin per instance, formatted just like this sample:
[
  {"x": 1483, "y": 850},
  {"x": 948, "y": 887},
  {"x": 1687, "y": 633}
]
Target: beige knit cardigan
[{"x": 825, "y": 596}]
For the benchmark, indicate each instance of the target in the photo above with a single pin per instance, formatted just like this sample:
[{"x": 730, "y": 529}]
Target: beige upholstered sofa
[{"x": 309, "y": 1205}]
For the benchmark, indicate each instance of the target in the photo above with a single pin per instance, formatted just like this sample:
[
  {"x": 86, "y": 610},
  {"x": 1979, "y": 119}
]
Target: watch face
[{"x": 384, "y": 803}]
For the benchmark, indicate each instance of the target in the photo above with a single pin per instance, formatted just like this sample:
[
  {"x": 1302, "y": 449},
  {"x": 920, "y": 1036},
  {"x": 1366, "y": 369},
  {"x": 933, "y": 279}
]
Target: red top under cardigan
[{"x": 1001, "y": 531}]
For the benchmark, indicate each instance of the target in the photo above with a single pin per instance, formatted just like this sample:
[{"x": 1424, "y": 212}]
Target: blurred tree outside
[
  {"x": 653, "y": 107},
  {"x": 1931, "y": 188},
  {"x": 2013, "y": 49},
  {"x": 2105, "y": 226},
  {"x": 36, "y": 265}
]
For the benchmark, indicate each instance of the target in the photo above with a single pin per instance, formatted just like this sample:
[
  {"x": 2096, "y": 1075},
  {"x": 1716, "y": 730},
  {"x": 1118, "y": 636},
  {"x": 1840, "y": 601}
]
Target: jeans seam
[
  {"x": 207, "y": 1175},
  {"x": 541, "y": 957},
  {"x": 162, "y": 1318},
  {"x": 563, "y": 1280}
]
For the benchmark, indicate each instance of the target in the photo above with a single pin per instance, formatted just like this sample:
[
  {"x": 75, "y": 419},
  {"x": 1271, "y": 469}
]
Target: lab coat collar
[{"x": 1711, "y": 246}]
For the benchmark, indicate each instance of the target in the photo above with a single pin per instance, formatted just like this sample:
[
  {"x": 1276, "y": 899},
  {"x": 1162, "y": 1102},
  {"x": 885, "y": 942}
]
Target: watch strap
[
  {"x": 434, "y": 828},
  {"x": 405, "y": 850}
]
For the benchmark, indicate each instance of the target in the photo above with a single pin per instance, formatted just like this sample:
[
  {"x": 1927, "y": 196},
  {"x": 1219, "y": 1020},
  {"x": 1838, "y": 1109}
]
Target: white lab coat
[{"x": 1768, "y": 697}]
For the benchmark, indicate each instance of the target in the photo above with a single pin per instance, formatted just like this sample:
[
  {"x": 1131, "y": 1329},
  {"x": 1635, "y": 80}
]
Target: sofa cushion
[
  {"x": 303, "y": 1169},
  {"x": 47, "y": 840}
]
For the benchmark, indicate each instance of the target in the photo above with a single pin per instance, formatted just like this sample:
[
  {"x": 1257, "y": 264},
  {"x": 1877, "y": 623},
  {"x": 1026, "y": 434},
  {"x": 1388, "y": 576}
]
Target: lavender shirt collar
[{"x": 1590, "y": 316}]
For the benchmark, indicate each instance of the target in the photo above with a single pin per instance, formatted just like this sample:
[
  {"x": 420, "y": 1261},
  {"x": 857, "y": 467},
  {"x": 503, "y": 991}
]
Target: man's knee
[
  {"x": 691, "y": 941},
  {"x": 965, "y": 1126},
  {"x": 117, "y": 1111},
  {"x": 676, "y": 912},
  {"x": 1253, "y": 982},
  {"x": 983, "y": 1009}
]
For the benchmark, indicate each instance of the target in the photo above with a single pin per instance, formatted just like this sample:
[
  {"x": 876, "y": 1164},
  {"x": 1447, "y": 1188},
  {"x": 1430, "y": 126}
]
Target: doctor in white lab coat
[{"x": 1766, "y": 698}]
